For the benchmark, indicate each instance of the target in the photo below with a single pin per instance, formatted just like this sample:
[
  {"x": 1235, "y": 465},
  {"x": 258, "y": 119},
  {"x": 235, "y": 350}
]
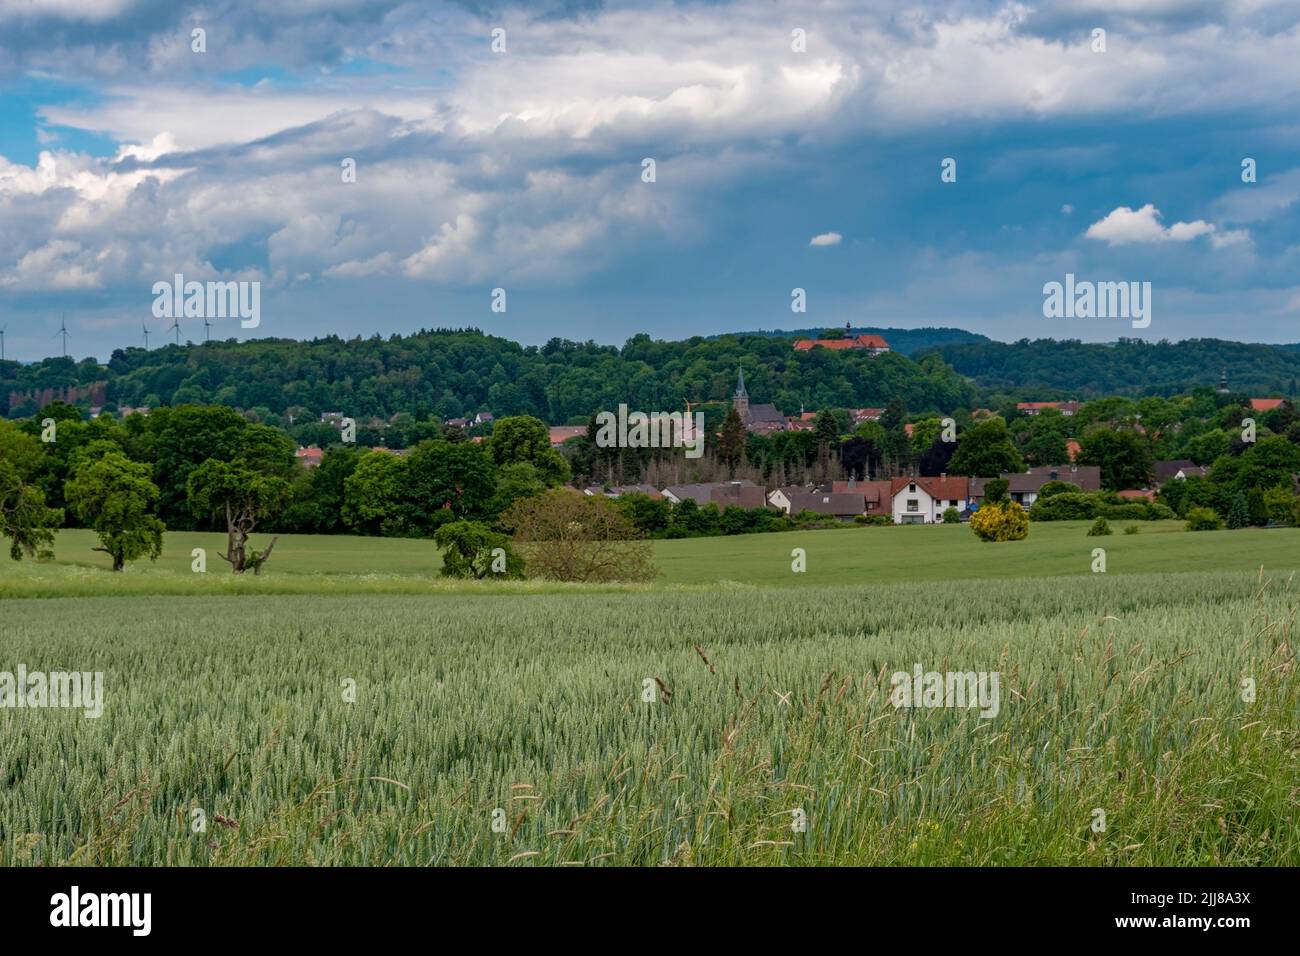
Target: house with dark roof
[
  {"x": 741, "y": 494},
  {"x": 1178, "y": 469},
  {"x": 877, "y": 496},
  {"x": 845, "y": 505},
  {"x": 1023, "y": 486}
]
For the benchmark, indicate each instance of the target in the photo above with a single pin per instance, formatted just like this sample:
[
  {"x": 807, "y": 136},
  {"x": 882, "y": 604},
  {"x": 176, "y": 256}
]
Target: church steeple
[
  {"x": 1223, "y": 382},
  {"x": 740, "y": 401}
]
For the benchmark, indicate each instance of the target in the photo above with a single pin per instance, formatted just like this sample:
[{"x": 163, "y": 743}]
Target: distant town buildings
[
  {"x": 872, "y": 344},
  {"x": 310, "y": 456},
  {"x": 1033, "y": 408}
]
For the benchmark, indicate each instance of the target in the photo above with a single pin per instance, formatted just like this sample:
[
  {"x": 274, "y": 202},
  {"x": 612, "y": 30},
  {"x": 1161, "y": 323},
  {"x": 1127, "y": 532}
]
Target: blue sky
[{"x": 126, "y": 157}]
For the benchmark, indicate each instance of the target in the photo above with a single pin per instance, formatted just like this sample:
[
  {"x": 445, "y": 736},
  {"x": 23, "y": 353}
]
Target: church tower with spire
[{"x": 740, "y": 401}]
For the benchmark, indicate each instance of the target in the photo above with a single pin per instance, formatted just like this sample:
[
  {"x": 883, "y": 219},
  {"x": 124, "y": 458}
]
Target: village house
[
  {"x": 923, "y": 500},
  {"x": 1023, "y": 486},
  {"x": 1178, "y": 469},
  {"x": 780, "y": 497},
  {"x": 310, "y": 456},
  {"x": 742, "y": 494},
  {"x": 1265, "y": 404},
  {"x": 876, "y": 495},
  {"x": 842, "y": 505}
]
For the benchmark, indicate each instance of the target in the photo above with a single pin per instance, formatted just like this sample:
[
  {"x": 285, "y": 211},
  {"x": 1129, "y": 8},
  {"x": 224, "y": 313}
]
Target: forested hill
[
  {"x": 1046, "y": 369},
  {"x": 907, "y": 341},
  {"x": 451, "y": 373}
]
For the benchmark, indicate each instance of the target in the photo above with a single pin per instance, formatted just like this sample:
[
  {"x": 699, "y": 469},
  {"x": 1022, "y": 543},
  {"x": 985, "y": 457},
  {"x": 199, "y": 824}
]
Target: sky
[{"x": 794, "y": 146}]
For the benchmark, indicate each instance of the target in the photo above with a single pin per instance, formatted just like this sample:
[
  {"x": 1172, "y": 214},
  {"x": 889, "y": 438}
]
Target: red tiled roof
[
  {"x": 1265, "y": 404},
  {"x": 857, "y": 342},
  {"x": 562, "y": 433},
  {"x": 947, "y": 487}
]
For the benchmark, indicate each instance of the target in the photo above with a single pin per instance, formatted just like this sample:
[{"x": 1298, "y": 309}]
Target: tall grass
[{"x": 1121, "y": 694}]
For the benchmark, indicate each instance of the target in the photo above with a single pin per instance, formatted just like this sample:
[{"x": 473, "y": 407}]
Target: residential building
[
  {"x": 741, "y": 494},
  {"x": 923, "y": 500},
  {"x": 1265, "y": 404},
  {"x": 310, "y": 456},
  {"x": 1023, "y": 486},
  {"x": 876, "y": 495},
  {"x": 843, "y": 505},
  {"x": 1178, "y": 469}
]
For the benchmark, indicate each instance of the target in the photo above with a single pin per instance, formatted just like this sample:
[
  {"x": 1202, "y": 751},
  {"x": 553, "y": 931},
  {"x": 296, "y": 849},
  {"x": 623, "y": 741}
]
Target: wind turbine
[
  {"x": 146, "y": 336},
  {"x": 176, "y": 324},
  {"x": 2, "y": 344},
  {"x": 63, "y": 331},
  {"x": 207, "y": 336}
]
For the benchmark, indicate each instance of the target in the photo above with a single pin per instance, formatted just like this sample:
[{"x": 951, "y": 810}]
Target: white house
[{"x": 923, "y": 500}]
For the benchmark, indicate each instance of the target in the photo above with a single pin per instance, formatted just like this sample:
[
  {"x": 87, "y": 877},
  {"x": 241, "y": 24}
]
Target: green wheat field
[{"x": 509, "y": 724}]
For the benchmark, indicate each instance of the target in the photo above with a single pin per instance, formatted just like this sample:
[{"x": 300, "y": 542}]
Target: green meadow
[{"x": 304, "y": 564}]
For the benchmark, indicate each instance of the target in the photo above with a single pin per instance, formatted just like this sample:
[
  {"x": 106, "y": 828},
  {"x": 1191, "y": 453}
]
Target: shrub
[
  {"x": 995, "y": 491},
  {"x": 874, "y": 519},
  {"x": 1131, "y": 529},
  {"x": 1099, "y": 528},
  {"x": 813, "y": 519},
  {"x": 566, "y": 536},
  {"x": 1239, "y": 513},
  {"x": 1136, "y": 511},
  {"x": 1006, "y": 521},
  {"x": 470, "y": 550},
  {"x": 1066, "y": 506},
  {"x": 951, "y": 515},
  {"x": 1058, "y": 488},
  {"x": 1203, "y": 519}
]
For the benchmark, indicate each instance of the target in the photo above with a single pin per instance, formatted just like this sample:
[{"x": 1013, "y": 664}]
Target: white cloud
[
  {"x": 1224, "y": 238},
  {"x": 826, "y": 239},
  {"x": 1125, "y": 226}
]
